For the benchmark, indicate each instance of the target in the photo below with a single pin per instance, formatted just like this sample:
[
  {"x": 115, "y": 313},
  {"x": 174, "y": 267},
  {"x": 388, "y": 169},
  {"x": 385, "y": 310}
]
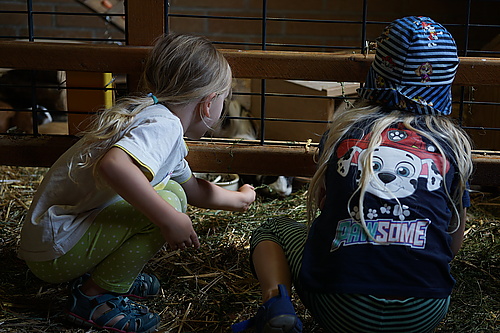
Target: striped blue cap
[{"x": 415, "y": 64}]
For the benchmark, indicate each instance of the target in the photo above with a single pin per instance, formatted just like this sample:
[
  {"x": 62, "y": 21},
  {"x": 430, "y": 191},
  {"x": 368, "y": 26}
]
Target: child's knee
[
  {"x": 174, "y": 194},
  {"x": 176, "y": 188}
]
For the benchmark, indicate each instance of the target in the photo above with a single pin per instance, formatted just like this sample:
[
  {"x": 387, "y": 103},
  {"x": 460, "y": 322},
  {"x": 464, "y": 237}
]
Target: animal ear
[{"x": 434, "y": 178}]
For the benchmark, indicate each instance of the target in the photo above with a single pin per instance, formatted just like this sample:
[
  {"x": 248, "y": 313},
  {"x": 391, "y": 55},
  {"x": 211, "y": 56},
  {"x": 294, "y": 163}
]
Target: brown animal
[
  {"x": 55, "y": 127},
  {"x": 20, "y": 121}
]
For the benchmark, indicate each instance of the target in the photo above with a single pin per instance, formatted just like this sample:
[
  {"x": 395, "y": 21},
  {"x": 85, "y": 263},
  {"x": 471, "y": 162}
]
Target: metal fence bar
[{"x": 263, "y": 82}]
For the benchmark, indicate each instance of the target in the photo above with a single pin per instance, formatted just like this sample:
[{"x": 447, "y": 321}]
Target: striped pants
[{"x": 349, "y": 312}]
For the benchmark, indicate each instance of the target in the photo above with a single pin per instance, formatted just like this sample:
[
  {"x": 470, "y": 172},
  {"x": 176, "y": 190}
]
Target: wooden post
[
  {"x": 86, "y": 101},
  {"x": 145, "y": 21}
]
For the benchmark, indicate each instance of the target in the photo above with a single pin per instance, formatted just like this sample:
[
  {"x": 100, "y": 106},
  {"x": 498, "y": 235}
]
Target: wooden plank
[
  {"x": 487, "y": 169},
  {"x": 341, "y": 67},
  {"x": 474, "y": 71},
  {"x": 40, "y": 151},
  {"x": 43, "y": 150},
  {"x": 313, "y": 66},
  {"x": 86, "y": 100},
  {"x": 145, "y": 21},
  {"x": 246, "y": 64},
  {"x": 116, "y": 59},
  {"x": 251, "y": 159}
]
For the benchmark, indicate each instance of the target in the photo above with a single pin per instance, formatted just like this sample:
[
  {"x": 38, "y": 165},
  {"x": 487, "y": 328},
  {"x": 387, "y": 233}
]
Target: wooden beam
[
  {"x": 246, "y": 64},
  {"x": 42, "y": 151},
  {"x": 251, "y": 159},
  {"x": 72, "y": 57},
  {"x": 145, "y": 21},
  {"x": 487, "y": 169},
  {"x": 298, "y": 65},
  {"x": 341, "y": 67}
]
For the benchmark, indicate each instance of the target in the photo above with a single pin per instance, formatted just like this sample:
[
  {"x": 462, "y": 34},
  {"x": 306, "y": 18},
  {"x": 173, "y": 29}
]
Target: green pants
[{"x": 115, "y": 248}]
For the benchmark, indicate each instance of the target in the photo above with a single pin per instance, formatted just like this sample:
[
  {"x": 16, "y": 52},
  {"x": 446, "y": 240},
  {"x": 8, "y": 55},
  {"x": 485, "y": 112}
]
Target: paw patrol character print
[
  {"x": 397, "y": 135},
  {"x": 385, "y": 35},
  {"x": 397, "y": 164},
  {"x": 372, "y": 213},
  {"x": 379, "y": 81},
  {"x": 431, "y": 30},
  {"x": 402, "y": 104},
  {"x": 421, "y": 100},
  {"x": 401, "y": 211},
  {"x": 388, "y": 62},
  {"x": 385, "y": 209},
  {"x": 425, "y": 72},
  {"x": 355, "y": 214}
]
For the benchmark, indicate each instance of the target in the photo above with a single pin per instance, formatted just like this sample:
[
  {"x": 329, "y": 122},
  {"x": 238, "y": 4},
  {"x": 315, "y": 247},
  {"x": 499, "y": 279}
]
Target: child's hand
[
  {"x": 179, "y": 233},
  {"x": 248, "y": 196}
]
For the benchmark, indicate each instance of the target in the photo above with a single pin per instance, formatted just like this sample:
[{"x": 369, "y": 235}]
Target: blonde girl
[
  {"x": 118, "y": 195},
  {"x": 386, "y": 206}
]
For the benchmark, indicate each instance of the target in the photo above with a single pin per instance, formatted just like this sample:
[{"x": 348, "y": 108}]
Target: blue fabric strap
[{"x": 155, "y": 100}]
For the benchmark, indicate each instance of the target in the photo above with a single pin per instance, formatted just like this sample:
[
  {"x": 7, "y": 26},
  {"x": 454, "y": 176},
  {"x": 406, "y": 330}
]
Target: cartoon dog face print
[
  {"x": 388, "y": 62},
  {"x": 433, "y": 34},
  {"x": 396, "y": 173},
  {"x": 396, "y": 170},
  {"x": 425, "y": 72}
]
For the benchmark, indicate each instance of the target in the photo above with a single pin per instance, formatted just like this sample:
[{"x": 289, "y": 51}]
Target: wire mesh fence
[{"x": 288, "y": 111}]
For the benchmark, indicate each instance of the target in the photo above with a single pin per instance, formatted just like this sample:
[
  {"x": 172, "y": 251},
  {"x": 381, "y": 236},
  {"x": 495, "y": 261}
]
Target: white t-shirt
[{"x": 63, "y": 208}]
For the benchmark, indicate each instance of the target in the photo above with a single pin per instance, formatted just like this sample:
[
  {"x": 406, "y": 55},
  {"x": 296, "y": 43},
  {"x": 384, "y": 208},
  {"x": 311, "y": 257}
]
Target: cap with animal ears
[{"x": 415, "y": 63}]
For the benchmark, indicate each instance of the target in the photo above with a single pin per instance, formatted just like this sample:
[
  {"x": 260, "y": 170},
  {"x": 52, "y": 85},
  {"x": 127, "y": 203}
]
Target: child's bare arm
[
  {"x": 458, "y": 236},
  {"x": 204, "y": 194},
  {"x": 120, "y": 172}
]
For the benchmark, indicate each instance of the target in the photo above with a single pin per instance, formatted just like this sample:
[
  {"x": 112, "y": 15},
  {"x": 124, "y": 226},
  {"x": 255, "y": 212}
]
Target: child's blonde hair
[
  {"x": 440, "y": 130},
  {"x": 180, "y": 69}
]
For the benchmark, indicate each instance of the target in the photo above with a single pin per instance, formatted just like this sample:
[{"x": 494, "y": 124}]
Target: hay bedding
[{"x": 207, "y": 290}]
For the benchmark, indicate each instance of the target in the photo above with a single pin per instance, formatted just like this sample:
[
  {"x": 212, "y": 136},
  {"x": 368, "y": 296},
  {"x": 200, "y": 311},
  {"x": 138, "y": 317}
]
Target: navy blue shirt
[{"x": 406, "y": 210}]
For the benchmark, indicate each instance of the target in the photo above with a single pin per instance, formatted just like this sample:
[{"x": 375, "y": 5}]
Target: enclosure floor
[{"x": 209, "y": 289}]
